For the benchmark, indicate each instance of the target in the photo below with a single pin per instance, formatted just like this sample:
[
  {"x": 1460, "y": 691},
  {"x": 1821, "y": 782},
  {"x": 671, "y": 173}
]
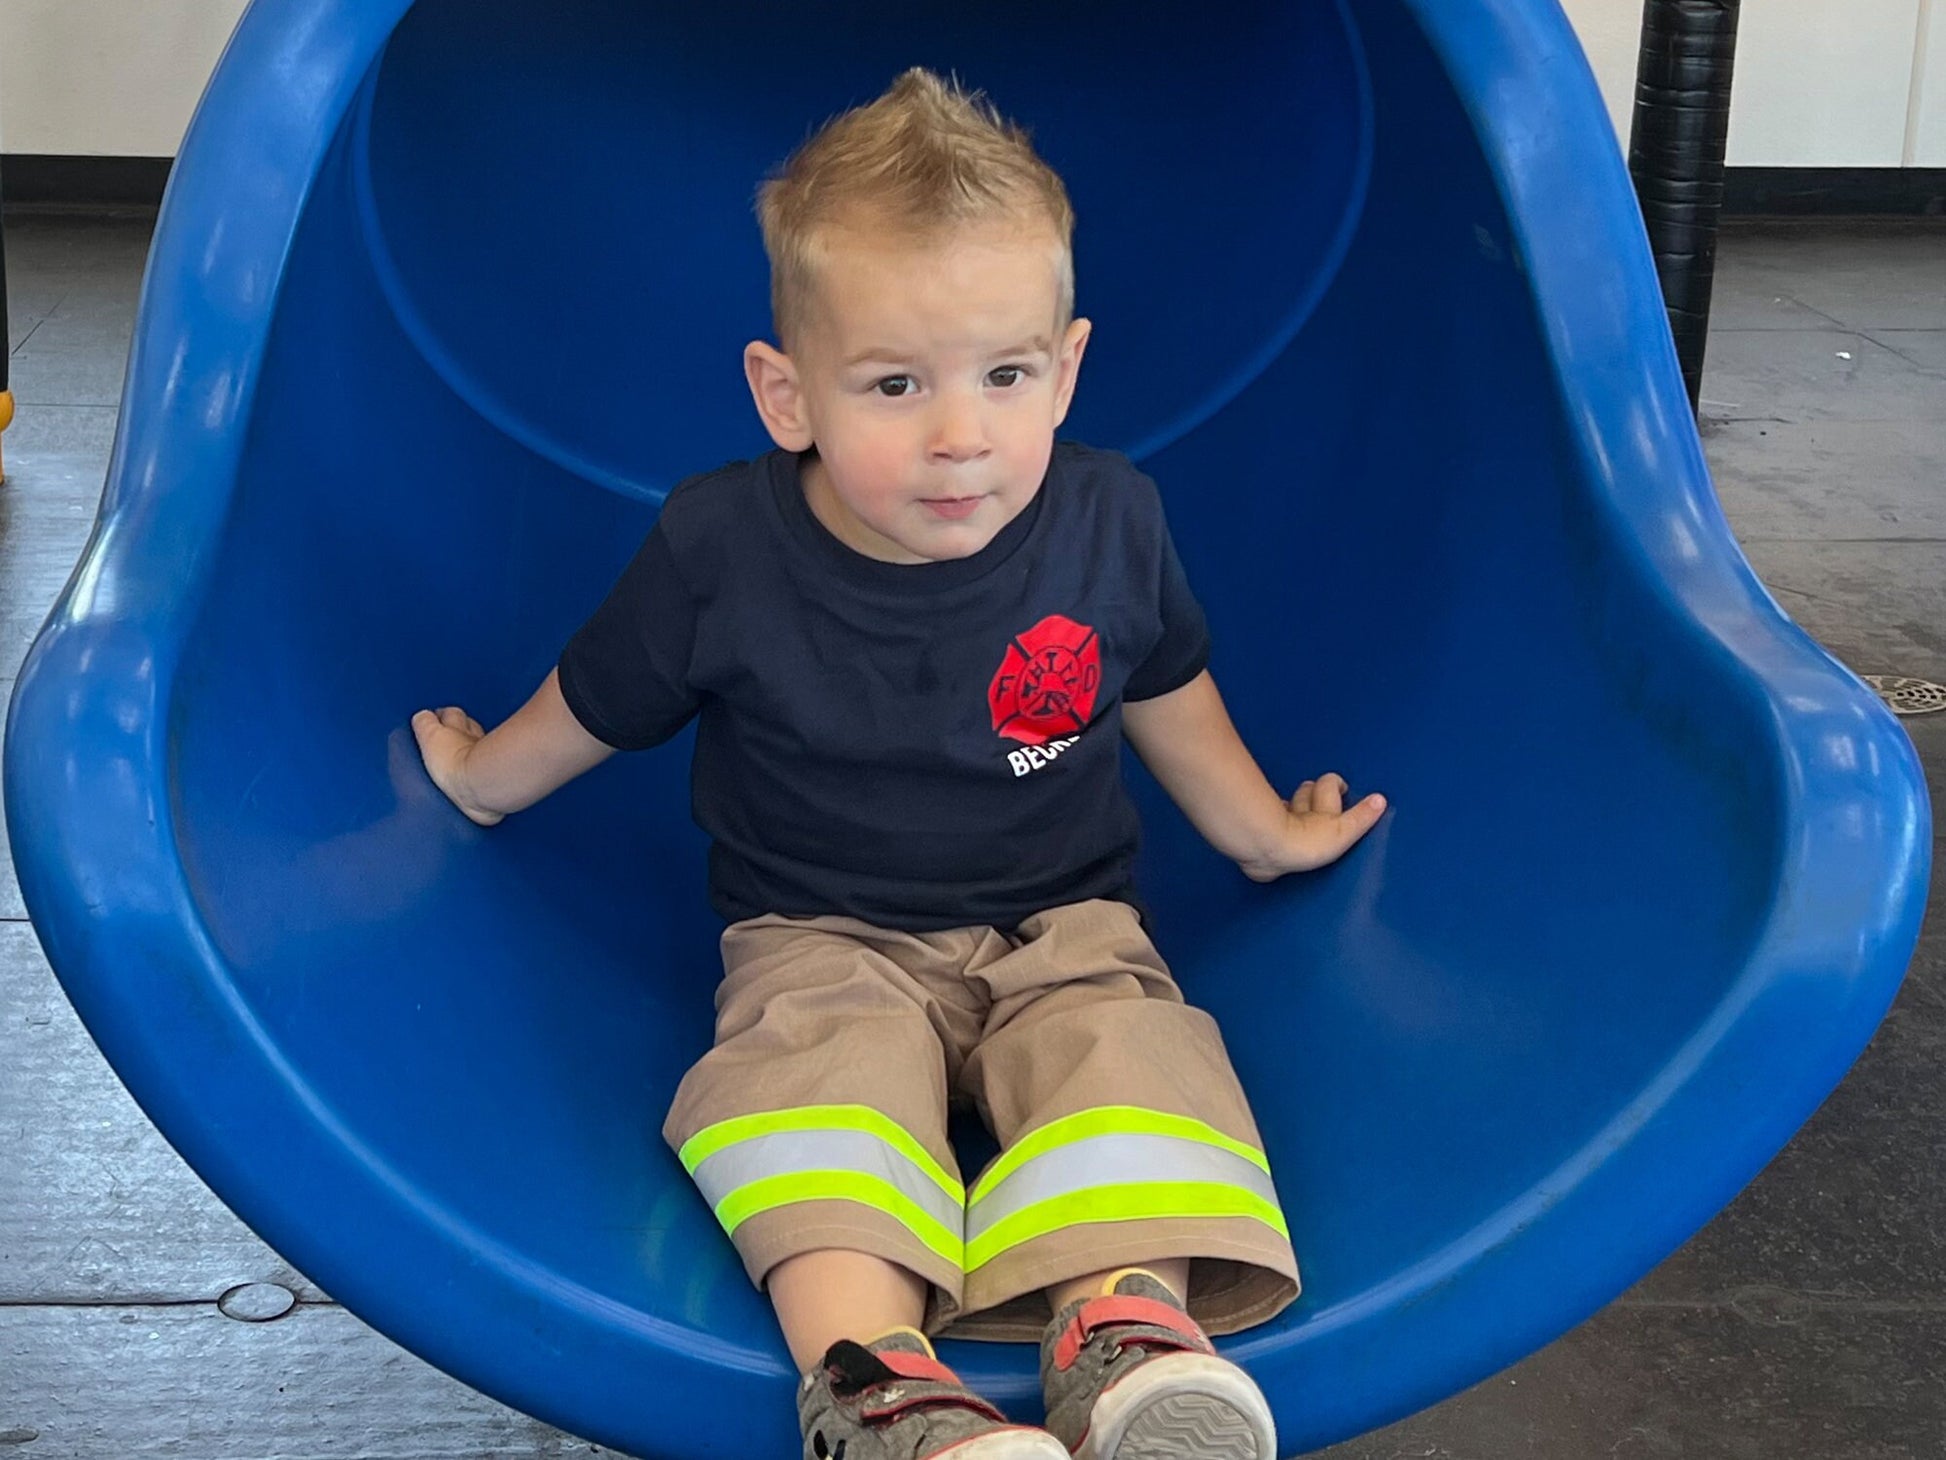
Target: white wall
[
  {"x": 1926, "y": 129},
  {"x": 1829, "y": 85},
  {"x": 114, "y": 78},
  {"x": 1819, "y": 83}
]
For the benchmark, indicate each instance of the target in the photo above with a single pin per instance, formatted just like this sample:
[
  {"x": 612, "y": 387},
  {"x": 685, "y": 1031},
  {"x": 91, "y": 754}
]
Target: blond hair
[{"x": 924, "y": 158}]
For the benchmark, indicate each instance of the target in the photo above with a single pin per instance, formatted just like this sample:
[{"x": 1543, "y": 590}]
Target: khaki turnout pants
[{"x": 818, "y": 1120}]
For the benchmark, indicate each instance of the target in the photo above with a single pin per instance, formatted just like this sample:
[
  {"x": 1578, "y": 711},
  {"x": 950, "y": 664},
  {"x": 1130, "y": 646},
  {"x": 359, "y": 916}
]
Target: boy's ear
[
  {"x": 775, "y": 388},
  {"x": 1067, "y": 366}
]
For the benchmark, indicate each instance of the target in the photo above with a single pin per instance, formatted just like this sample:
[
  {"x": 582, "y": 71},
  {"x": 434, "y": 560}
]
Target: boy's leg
[
  {"x": 1126, "y": 1140},
  {"x": 1171, "y": 1272},
  {"x": 817, "y": 1122},
  {"x": 823, "y": 1296},
  {"x": 816, "y": 1130}
]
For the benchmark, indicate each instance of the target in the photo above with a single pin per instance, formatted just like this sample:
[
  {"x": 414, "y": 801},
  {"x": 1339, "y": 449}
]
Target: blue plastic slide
[{"x": 445, "y": 296}]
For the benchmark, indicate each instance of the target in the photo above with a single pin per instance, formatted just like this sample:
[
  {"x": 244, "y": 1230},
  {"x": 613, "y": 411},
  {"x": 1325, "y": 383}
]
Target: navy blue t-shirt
[{"x": 923, "y": 746}]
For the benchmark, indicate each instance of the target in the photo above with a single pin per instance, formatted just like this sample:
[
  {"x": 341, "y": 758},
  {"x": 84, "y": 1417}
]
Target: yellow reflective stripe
[
  {"x": 711, "y": 1139},
  {"x": 1106, "y": 1120},
  {"x": 1099, "y": 1161},
  {"x": 854, "y": 1186},
  {"x": 800, "y": 1152},
  {"x": 1137, "y": 1201}
]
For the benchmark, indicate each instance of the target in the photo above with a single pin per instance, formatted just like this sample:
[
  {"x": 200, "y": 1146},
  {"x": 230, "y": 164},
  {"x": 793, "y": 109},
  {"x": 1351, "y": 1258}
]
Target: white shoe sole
[{"x": 1179, "y": 1406}]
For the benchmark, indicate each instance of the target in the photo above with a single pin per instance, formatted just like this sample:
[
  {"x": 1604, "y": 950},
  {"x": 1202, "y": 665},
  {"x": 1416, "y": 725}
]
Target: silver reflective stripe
[
  {"x": 1119, "y": 1160},
  {"x": 792, "y": 1153}
]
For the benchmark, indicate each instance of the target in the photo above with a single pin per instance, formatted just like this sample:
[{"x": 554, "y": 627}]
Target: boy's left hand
[{"x": 1317, "y": 830}]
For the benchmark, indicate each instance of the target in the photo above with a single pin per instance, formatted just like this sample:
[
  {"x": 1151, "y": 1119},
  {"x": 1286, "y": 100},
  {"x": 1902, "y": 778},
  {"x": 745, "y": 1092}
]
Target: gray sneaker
[
  {"x": 1130, "y": 1376},
  {"x": 895, "y": 1401}
]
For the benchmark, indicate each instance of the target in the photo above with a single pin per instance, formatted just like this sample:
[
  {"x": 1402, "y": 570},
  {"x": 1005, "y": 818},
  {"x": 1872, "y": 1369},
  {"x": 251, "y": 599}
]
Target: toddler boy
[{"x": 913, "y": 637}]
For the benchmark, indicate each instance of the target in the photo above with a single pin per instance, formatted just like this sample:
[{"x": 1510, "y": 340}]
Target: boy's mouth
[{"x": 953, "y": 509}]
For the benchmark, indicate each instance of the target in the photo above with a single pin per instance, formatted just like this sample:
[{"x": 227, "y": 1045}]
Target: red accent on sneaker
[
  {"x": 915, "y": 1366},
  {"x": 1100, "y": 1313}
]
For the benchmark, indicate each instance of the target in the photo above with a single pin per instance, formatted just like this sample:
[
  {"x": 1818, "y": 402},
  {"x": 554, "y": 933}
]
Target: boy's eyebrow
[
  {"x": 1038, "y": 345},
  {"x": 878, "y": 356}
]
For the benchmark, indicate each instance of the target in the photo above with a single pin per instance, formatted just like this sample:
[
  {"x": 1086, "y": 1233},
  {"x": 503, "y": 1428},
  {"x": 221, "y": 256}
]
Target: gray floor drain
[
  {"x": 1908, "y": 696},
  {"x": 257, "y": 1302}
]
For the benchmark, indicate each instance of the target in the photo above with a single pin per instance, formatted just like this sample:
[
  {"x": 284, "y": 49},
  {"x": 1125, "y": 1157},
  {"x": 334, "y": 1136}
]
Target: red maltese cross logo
[{"x": 1046, "y": 684}]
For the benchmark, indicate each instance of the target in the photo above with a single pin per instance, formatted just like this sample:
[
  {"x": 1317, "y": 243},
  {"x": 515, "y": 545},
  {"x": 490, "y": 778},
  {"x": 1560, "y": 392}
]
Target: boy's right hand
[{"x": 446, "y": 739}]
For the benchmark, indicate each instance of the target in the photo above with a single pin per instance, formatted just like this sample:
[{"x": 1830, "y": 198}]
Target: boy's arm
[
  {"x": 1189, "y": 744},
  {"x": 540, "y": 747}
]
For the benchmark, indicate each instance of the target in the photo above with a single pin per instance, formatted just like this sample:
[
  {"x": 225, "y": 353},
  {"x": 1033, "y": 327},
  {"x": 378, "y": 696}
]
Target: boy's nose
[{"x": 958, "y": 432}]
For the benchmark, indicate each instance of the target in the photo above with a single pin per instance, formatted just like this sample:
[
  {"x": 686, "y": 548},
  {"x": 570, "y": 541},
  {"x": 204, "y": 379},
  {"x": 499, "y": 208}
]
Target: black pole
[{"x": 1675, "y": 154}]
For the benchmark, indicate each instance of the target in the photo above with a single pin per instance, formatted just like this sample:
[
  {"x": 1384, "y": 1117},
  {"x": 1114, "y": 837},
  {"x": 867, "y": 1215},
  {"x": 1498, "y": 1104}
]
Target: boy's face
[{"x": 931, "y": 379}]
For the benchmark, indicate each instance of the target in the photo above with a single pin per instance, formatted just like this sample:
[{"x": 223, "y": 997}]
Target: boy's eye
[
  {"x": 1006, "y": 375},
  {"x": 894, "y": 385}
]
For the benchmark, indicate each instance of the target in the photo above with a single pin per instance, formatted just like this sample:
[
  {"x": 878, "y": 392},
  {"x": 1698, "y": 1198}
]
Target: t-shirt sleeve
[
  {"x": 1182, "y": 652},
  {"x": 625, "y": 673}
]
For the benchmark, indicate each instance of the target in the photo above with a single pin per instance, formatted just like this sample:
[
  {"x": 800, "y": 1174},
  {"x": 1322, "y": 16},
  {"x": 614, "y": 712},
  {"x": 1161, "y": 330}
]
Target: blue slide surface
[{"x": 445, "y": 296}]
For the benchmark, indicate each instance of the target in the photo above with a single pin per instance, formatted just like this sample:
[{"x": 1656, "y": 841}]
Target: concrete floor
[{"x": 1809, "y": 1320}]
